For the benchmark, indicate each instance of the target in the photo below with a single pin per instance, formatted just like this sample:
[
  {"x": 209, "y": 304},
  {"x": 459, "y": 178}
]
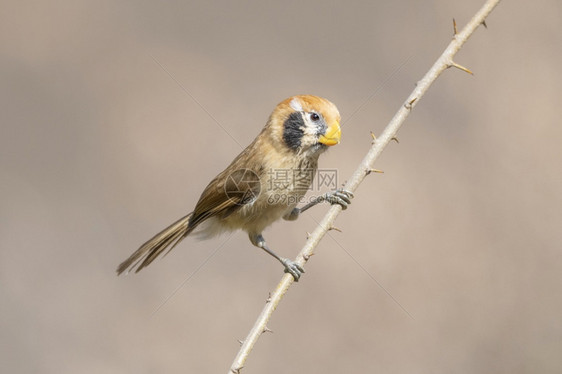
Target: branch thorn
[
  {"x": 266, "y": 329},
  {"x": 307, "y": 257},
  {"x": 369, "y": 171},
  {"x": 484, "y": 23},
  {"x": 409, "y": 104},
  {"x": 335, "y": 228},
  {"x": 395, "y": 139},
  {"x": 460, "y": 67},
  {"x": 455, "y": 27}
]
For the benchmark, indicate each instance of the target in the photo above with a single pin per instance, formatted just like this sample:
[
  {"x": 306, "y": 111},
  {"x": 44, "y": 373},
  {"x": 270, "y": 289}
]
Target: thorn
[
  {"x": 237, "y": 370},
  {"x": 268, "y": 300},
  {"x": 308, "y": 235},
  {"x": 369, "y": 171},
  {"x": 373, "y": 136},
  {"x": 410, "y": 103},
  {"x": 240, "y": 341},
  {"x": 460, "y": 67},
  {"x": 395, "y": 139},
  {"x": 266, "y": 329},
  {"x": 455, "y": 27},
  {"x": 307, "y": 257},
  {"x": 484, "y": 23},
  {"x": 335, "y": 228}
]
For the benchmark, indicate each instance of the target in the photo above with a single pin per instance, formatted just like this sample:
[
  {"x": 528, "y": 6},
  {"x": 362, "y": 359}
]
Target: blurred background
[{"x": 448, "y": 262}]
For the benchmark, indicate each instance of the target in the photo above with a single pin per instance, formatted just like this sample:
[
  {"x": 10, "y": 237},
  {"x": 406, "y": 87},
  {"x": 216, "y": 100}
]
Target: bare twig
[{"x": 379, "y": 143}]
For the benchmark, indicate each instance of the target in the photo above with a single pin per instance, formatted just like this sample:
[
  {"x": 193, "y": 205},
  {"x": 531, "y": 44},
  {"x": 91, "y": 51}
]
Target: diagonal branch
[{"x": 444, "y": 62}]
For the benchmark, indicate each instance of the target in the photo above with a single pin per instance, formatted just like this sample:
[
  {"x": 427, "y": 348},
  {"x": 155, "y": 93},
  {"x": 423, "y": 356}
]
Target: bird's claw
[
  {"x": 293, "y": 268},
  {"x": 341, "y": 197}
]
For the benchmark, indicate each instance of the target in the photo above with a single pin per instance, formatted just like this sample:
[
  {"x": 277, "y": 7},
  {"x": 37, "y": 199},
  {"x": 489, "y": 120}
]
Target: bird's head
[{"x": 305, "y": 124}]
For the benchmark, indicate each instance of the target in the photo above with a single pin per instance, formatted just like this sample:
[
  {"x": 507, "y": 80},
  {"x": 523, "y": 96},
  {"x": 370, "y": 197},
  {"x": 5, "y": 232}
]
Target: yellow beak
[{"x": 332, "y": 135}]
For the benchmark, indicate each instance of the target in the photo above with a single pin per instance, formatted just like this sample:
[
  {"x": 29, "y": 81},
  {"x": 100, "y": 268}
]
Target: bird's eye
[{"x": 314, "y": 116}]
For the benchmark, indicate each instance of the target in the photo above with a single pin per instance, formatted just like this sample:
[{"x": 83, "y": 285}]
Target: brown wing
[{"x": 237, "y": 185}]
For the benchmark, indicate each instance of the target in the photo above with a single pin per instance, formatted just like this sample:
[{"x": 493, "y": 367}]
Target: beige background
[{"x": 100, "y": 148}]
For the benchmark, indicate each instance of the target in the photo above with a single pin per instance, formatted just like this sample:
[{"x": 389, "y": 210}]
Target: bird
[{"x": 264, "y": 183}]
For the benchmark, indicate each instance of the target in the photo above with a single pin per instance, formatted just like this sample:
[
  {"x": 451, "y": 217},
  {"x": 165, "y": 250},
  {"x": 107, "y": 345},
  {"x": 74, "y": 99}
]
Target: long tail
[{"x": 170, "y": 236}]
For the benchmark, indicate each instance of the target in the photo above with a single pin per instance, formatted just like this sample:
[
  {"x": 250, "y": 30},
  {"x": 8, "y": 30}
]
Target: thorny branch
[{"x": 444, "y": 62}]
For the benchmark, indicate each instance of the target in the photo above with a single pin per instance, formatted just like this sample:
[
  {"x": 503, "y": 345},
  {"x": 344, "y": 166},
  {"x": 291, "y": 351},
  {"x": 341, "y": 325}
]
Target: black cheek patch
[{"x": 293, "y": 130}]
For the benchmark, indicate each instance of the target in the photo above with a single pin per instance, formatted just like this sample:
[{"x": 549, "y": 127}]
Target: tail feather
[{"x": 169, "y": 237}]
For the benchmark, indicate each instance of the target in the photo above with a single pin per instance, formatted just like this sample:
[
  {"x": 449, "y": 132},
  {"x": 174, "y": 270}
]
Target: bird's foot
[
  {"x": 292, "y": 268},
  {"x": 340, "y": 196}
]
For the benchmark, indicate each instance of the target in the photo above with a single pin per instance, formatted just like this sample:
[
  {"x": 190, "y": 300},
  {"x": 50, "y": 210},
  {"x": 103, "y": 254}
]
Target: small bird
[{"x": 265, "y": 182}]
